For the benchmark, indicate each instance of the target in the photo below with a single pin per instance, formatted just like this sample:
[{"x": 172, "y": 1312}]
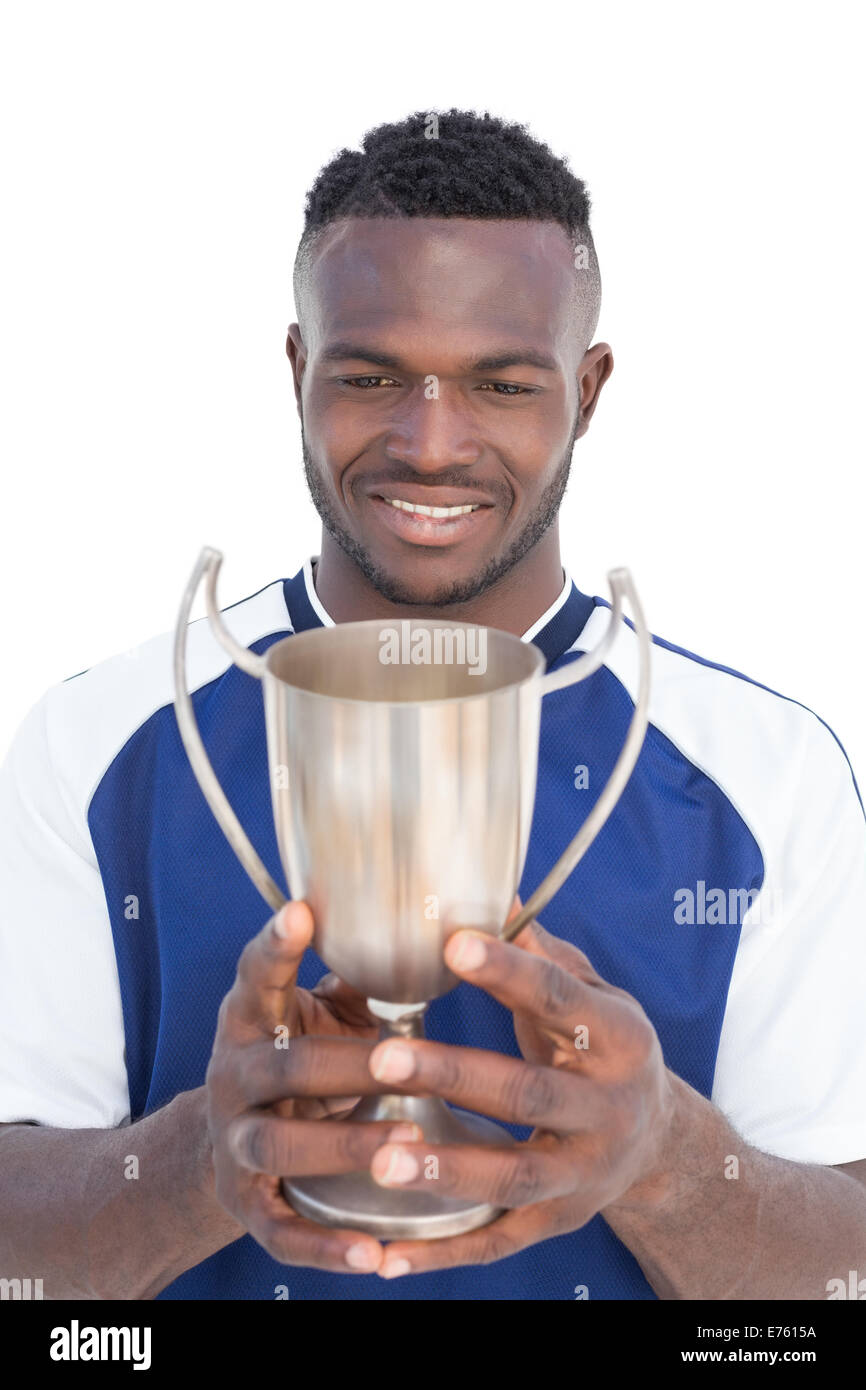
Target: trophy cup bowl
[{"x": 403, "y": 774}]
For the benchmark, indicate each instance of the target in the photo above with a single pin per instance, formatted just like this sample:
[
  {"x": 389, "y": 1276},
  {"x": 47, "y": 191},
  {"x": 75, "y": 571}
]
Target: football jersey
[{"x": 727, "y": 893}]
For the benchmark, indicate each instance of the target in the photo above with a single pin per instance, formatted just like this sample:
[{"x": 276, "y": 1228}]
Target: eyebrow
[{"x": 495, "y": 362}]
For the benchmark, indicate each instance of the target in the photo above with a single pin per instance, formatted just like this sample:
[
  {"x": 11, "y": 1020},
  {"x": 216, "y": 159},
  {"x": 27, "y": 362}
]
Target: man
[{"x": 709, "y": 1141}]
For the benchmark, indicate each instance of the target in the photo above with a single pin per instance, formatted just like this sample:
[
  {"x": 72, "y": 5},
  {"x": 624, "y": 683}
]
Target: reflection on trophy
[{"x": 403, "y": 761}]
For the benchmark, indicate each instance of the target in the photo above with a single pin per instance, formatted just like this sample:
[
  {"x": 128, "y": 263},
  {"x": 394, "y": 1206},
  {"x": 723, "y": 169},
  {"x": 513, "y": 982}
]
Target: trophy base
[{"x": 356, "y": 1200}]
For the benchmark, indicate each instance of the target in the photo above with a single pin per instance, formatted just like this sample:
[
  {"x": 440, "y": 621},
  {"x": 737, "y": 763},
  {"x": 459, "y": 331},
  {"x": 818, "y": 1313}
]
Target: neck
[{"x": 512, "y": 604}]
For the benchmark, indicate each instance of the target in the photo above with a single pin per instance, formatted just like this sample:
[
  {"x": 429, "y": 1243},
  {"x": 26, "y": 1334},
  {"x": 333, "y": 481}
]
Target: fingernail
[
  {"x": 393, "y": 1166},
  {"x": 337, "y": 1104},
  {"x": 392, "y": 1269},
  {"x": 407, "y": 1134},
  {"x": 362, "y": 1256},
  {"x": 469, "y": 953},
  {"x": 394, "y": 1063}
]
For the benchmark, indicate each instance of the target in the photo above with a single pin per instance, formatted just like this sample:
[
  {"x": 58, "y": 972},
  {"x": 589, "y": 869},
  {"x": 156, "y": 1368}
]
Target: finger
[
  {"x": 267, "y": 971},
  {"x": 317, "y": 1067},
  {"x": 312, "y": 1108},
  {"x": 507, "y": 1235},
  {"x": 506, "y": 1088},
  {"x": 293, "y": 1240},
  {"x": 297, "y": 1148},
  {"x": 532, "y": 984},
  {"x": 337, "y": 1106},
  {"x": 512, "y": 1177},
  {"x": 350, "y": 1004}
]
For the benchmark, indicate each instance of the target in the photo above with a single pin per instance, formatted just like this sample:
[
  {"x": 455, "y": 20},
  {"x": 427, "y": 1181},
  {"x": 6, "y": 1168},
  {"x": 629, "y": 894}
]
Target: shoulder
[
  {"x": 767, "y": 750},
  {"x": 79, "y": 725}
]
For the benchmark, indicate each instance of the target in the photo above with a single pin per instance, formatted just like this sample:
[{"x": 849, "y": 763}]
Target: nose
[{"x": 432, "y": 434}]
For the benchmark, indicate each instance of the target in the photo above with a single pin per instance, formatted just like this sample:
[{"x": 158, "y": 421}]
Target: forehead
[{"x": 450, "y": 275}]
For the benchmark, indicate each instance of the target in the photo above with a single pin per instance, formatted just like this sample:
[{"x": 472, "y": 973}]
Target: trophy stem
[
  {"x": 398, "y": 1020},
  {"x": 356, "y": 1201},
  {"x": 437, "y": 1122}
]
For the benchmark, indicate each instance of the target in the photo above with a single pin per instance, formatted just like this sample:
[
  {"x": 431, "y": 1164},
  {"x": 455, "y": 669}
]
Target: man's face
[{"x": 441, "y": 366}]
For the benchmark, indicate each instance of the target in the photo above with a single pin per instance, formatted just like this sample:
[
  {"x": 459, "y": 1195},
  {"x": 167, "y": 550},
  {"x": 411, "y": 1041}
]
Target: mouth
[
  {"x": 416, "y": 509},
  {"x": 422, "y": 524}
]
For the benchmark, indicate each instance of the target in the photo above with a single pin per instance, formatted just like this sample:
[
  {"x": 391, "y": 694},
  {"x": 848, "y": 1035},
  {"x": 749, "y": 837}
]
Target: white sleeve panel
[
  {"x": 791, "y": 1067},
  {"x": 61, "y": 1027},
  {"x": 61, "y": 1022},
  {"x": 791, "y": 1064}
]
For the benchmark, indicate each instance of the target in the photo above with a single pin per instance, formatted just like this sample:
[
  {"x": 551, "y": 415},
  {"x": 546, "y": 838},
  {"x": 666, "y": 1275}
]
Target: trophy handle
[
  {"x": 621, "y": 585},
  {"x": 208, "y": 565}
]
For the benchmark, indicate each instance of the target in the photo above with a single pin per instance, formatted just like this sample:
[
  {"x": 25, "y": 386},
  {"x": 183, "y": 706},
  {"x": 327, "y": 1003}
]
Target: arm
[
  {"x": 72, "y": 1217},
  {"x": 616, "y": 1133},
  {"x": 783, "y": 1227},
  {"x": 209, "y": 1164},
  {"x": 72, "y": 1211},
  {"x": 69, "y": 1212},
  {"x": 776, "y": 1230}
]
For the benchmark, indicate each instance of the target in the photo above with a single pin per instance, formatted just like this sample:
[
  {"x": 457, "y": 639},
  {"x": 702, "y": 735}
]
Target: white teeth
[{"x": 431, "y": 511}]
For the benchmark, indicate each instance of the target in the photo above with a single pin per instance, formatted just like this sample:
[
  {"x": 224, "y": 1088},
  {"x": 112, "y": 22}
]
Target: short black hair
[{"x": 453, "y": 164}]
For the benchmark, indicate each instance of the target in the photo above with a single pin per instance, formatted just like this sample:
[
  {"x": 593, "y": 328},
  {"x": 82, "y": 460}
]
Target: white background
[{"x": 154, "y": 164}]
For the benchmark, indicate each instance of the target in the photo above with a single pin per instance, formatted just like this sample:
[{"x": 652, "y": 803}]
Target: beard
[{"x": 395, "y": 589}]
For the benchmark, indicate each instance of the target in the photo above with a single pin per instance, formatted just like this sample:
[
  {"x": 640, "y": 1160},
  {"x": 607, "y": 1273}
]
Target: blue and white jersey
[{"x": 727, "y": 893}]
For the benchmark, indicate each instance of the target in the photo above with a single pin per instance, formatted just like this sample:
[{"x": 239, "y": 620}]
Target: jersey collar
[{"x": 554, "y": 632}]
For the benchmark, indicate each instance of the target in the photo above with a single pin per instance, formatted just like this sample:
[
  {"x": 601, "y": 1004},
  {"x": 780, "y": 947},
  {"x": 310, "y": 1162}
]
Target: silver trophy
[{"x": 403, "y": 773}]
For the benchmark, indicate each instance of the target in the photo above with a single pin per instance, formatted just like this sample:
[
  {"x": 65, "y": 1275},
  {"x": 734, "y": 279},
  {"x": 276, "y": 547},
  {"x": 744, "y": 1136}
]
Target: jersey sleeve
[
  {"x": 791, "y": 1066},
  {"x": 61, "y": 1026}
]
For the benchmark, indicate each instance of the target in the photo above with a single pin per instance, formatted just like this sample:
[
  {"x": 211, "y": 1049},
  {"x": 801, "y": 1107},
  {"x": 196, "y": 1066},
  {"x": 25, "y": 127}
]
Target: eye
[
  {"x": 507, "y": 388},
  {"x": 366, "y": 383}
]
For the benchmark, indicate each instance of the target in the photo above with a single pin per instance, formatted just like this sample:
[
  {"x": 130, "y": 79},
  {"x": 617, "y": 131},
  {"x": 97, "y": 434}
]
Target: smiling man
[
  {"x": 442, "y": 376},
  {"x": 709, "y": 1143}
]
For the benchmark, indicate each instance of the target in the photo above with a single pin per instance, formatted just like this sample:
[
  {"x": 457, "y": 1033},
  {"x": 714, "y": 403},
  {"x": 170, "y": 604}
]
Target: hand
[
  {"x": 265, "y": 1102},
  {"x": 602, "y": 1112}
]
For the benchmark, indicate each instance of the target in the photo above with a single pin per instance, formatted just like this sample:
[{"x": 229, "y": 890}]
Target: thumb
[{"x": 263, "y": 991}]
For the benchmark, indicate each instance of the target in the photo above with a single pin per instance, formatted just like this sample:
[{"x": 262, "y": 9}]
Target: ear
[
  {"x": 297, "y": 355},
  {"x": 595, "y": 367}
]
